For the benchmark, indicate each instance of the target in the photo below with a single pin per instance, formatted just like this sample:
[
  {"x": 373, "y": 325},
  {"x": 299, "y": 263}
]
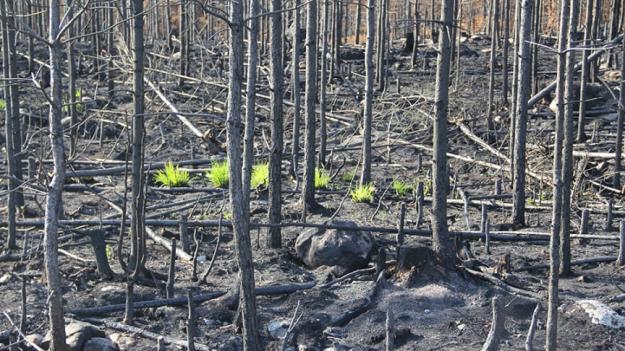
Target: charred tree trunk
[
  {"x": 275, "y": 160},
  {"x": 491, "y": 80},
  {"x": 12, "y": 164},
  {"x": 567, "y": 163},
  {"x": 616, "y": 182},
  {"x": 518, "y": 210},
  {"x": 323, "y": 135},
  {"x": 581, "y": 123},
  {"x": 554, "y": 247},
  {"x": 308, "y": 191},
  {"x": 55, "y": 188},
  {"x": 296, "y": 92},
  {"x": 365, "y": 176},
  {"x": 250, "y": 108},
  {"x": 137, "y": 228},
  {"x": 442, "y": 243},
  {"x": 240, "y": 218}
]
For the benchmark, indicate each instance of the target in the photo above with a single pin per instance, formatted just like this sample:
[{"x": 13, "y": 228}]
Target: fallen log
[{"x": 269, "y": 290}]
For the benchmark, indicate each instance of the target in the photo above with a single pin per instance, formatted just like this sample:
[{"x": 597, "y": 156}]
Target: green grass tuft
[
  {"x": 348, "y": 175},
  {"x": 218, "y": 174},
  {"x": 260, "y": 176},
  {"x": 172, "y": 176},
  {"x": 401, "y": 188},
  {"x": 363, "y": 193},
  {"x": 3, "y": 104},
  {"x": 322, "y": 179}
]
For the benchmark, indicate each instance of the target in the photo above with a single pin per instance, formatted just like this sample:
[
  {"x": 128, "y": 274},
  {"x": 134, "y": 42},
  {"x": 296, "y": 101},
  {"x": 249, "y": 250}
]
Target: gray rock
[
  {"x": 100, "y": 344},
  {"x": 345, "y": 250},
  {"x": 77, "y": 334}
]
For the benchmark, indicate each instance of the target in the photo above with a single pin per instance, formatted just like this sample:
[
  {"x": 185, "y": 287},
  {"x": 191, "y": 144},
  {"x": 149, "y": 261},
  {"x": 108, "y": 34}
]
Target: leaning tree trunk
[
  {"x": 440, "y": 237},
  {"x": 240, "y": 218},
  {"x": 365, "y": 176},
  {"x": 308, "y": 190},
  {"x": 518, "y": 185},
  {"x": 554, "y": 247},
  {"x": 567, "y": 163},
  {"x": 616, "y": 182},
  {"x": 275, "y": 159},
  {"x": 55, "y": 188}
]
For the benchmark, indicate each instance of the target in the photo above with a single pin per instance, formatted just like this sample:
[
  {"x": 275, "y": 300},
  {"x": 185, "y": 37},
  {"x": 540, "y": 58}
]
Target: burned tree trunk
[
  {"x": 296, "y": 91},
  {"x": 365, "y": 176},
  {"x": 275, "y": 159},
  {"x": 554, "y": 247},
  {"x": 250, "y": 108},
  {"x": 567, "y": 159},
  {"x": 12, "y": 164},
  {"x": 240, "y": 217},
  {"x": 55, "y": 188},
  {"x": 308, "y": 190},
  {"x": 323, "y": 134},
  {"x": 581, "y": 135},
  {"x": 616, "y": 181},
  {"x": 442, "y": 243},
  {"x": 137, "y": 228},
  {"x": 518, "y": 185}
]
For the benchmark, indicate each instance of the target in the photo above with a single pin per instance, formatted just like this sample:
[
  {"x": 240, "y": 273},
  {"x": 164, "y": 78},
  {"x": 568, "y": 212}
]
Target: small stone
[{"x": 277, "y": 328}]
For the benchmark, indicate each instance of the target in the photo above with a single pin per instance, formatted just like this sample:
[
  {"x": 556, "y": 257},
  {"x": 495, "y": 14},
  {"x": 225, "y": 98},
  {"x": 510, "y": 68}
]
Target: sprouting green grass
[
  {"x": 218, "y": 174},
  {"x": 322, "y": 179},
  {"x": 348, "y": 175},
  {"x": 172, "y": 176},
  {"x": 363, "y": 193},
  {"x": 401, "y": 188},
  {"x": 3, "y": 104},
  {"x": 80, "y": 106},
  {"x": 260, "y": 176}
]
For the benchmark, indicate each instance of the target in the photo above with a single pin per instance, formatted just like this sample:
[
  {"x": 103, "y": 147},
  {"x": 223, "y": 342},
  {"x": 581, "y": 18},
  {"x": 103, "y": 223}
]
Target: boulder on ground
[
  {"x": 77, "y": 333},
  {"x": 343, "y": 249}
]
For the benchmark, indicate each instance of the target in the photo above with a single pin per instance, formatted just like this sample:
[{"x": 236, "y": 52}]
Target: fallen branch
[{"x": 139, "y": 331}]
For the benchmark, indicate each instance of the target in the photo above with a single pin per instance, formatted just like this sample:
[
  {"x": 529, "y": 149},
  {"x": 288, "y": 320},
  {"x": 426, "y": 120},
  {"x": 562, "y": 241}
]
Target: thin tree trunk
[
  {"x": 515, "y": 85},
  {"x": 296, "y": 92},
  {"x": 71, "y": 62},
  {"x": 506, "y": 44},
  {"x": 8, "y": 126},
  {"x": 323, "y": 134},
  {"x": 616, "y": 182},
  {"x": 358, "y": 20},
  {"x": 275, "y": 160},
  {"x": 365, "y": 176},
  {"x": 308, "y": 190},
  {"x": 518, "y": 211},
  {"x": 567, "y": 165},
  {"x": 441, "y": 241},
  {"x": 138, "y": 132},
  {"x": 250, "y": 108},
  {"x": 491, "y": 79},
  {"x": 235, "y": 189},
  {"x": 581, "y": 135},
  {"x": 55, "y": 188},
  {"x": 554, "y": 247}
]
